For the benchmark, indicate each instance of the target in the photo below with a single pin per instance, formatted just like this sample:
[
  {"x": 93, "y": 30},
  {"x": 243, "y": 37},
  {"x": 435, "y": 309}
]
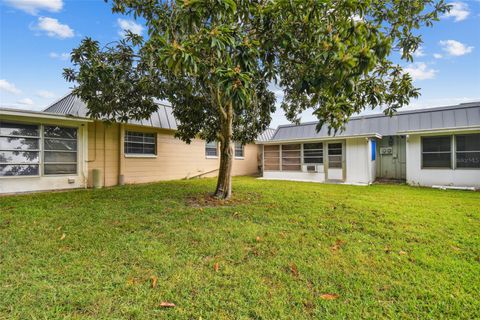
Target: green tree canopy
[{"x": 214, "y": 61}]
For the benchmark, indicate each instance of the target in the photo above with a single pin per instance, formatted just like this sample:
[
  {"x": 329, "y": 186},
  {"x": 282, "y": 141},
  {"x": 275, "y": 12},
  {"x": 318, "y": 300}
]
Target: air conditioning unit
[{"x": 310, "y": 168}]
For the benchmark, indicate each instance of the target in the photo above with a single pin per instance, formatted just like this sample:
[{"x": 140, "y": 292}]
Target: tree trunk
[{"x": 224, "y": 182}]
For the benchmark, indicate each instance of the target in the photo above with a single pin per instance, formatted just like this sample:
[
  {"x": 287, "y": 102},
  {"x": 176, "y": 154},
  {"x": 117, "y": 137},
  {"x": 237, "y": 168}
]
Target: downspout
[
  {"x": 104, "y": 154},
  {"x": 369, "y": 160},
  {"x": 88, "y": 160},
  {"x": 85, "y": 154},
  {"x": 121, "y": 151}
]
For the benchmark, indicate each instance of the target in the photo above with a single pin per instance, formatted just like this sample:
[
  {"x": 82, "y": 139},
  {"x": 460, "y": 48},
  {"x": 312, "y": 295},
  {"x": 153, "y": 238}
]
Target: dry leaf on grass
[
  {"x": 165, "y": 304},
  {"x": 338, "y": 244},
  {"x": 216, "y": 266},
  {"x": 131, "y": 281},
  {"x": 154, "y": 280},
  {"x": 294, "y": 269},
  {"x": 63, "y": 236},
  {"x": 329, "y": 296},
  {"x": 402, "y": 252}
]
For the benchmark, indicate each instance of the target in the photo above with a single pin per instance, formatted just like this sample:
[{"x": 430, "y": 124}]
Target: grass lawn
[{"x": 278, "y": 250}]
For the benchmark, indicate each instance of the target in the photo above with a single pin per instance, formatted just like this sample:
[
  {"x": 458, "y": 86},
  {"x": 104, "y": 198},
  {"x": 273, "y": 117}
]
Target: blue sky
[{"x": 36, "y": 37}]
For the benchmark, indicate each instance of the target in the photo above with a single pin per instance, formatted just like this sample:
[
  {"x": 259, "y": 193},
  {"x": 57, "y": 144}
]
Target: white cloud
[
  {"x": 26, "y": 101},
  {"x": 419, "y": 52},
  {"x": 53, "y": 28},
  {"x": 45, "y": 94},
  {"x": 8, "y": 87},
  {"x": 130, "y": 25},
  {"x": 33, "y": 6},
  {"x": 420, "y": 71},
  {"x": 458, "y": 12},
  {"x": 437, "y": 56},
  {"x": 455, "y": 48},
  {"x": 61, "y": 56}
]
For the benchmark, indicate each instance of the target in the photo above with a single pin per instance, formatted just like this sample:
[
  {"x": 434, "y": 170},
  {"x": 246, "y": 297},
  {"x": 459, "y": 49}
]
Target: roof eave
[
  {"x": 441, "y": 130},
  {"x": 367, "y": 135},
  {"x": 41, "y": 115}
]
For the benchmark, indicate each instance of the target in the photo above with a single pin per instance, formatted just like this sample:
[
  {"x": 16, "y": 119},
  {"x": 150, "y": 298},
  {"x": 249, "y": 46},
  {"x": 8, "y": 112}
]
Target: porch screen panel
[
  {"x": 291, "y": 157},
  {"x": 313, "y": 153},
  {"x": 335, "y": 155},
  {"x": 437, "y": 152},
  {"x": 60, "y": 150},
  {"x": 468, "y": 151},
  {"x": 271, "y": 158},
  {"x": 19, "y": 149}
]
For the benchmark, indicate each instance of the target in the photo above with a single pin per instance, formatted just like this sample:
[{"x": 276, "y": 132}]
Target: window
[
  {"x": 239, "y": 150},
  {"x": 19, "y": 149},
  {"x": 335, "y": 155},
  {"x": 271, "y": 158},
  {"x": 291, "y": 157},
  {"x": 211, "y": 149},
  {"x": 313, "y": 153},
  {"x": 437, "y": 152},
  {"x": 60, "y": 150},
  {"x": 140, "y": 143},
  {"x": 467, "y": 151}
]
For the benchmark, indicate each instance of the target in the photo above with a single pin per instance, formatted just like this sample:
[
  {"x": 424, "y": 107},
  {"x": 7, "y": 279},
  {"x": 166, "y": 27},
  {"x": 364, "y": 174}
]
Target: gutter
[
  {"x": 440, "y": 130},
  {"x": 41, "y": 115},
  {"x": 298, "y": 140}
]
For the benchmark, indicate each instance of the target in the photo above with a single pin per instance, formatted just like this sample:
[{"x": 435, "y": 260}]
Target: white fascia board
[
  {"x": 300, "y": 140},
  {"x": 41, "y": 115},
  {"x": 442, "y": 130}
]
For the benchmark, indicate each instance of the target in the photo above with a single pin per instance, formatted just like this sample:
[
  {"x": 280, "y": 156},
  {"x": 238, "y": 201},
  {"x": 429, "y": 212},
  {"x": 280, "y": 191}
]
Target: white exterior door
[{"x": 335, "y": 161}]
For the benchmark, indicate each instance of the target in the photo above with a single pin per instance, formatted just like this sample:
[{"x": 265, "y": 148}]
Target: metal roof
[
  {"x": 266, "y": 135},
  {"x": 74, "y": 106},
  {"x": 459, "y": 116}
]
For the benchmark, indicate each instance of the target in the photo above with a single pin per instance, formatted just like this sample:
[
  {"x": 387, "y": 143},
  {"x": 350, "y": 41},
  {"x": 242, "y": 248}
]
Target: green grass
[{"x": 387, "y": 251}]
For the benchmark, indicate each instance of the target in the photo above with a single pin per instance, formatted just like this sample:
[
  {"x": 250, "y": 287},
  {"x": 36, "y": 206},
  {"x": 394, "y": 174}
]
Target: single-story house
[
  {"x": 426, "y": 147},
  {"x": 62, "y": 148}
]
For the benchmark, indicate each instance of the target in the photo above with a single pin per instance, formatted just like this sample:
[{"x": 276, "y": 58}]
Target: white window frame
[
  {"x": 207, "y": 147},
  {"x": 456, "y": 151},
  {"x": 39, "y": 150},
  {"x": 41, "y": 141},
  {"x": 452, "y": 153},
  {"x": 242, "y": 147},
  {"x": 140, "y": 155},
  {"x": 44, "y": 150}
]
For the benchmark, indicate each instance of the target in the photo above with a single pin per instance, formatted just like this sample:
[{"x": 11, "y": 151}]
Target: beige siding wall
[
  {"x": 103, "y": 152},
  {"x": 174, "y": 160}
]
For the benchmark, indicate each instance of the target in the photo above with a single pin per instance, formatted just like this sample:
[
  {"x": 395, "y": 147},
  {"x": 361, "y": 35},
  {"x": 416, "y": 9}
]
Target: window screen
[
  {"x": 19, "y": 149},
  {"x": 140, "y": 143},
  {"x": 291, "y": 157},
  {"x": 437, "y": 152},
  {"x": 211, "y": 149},
  {"x": 468, "y": 151},
  {"x": 239, "y": 150},
  {"x": 313, "y": 153},
  {"x": 271, "y": 158},
  {"x": 59, "y": 150}
]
